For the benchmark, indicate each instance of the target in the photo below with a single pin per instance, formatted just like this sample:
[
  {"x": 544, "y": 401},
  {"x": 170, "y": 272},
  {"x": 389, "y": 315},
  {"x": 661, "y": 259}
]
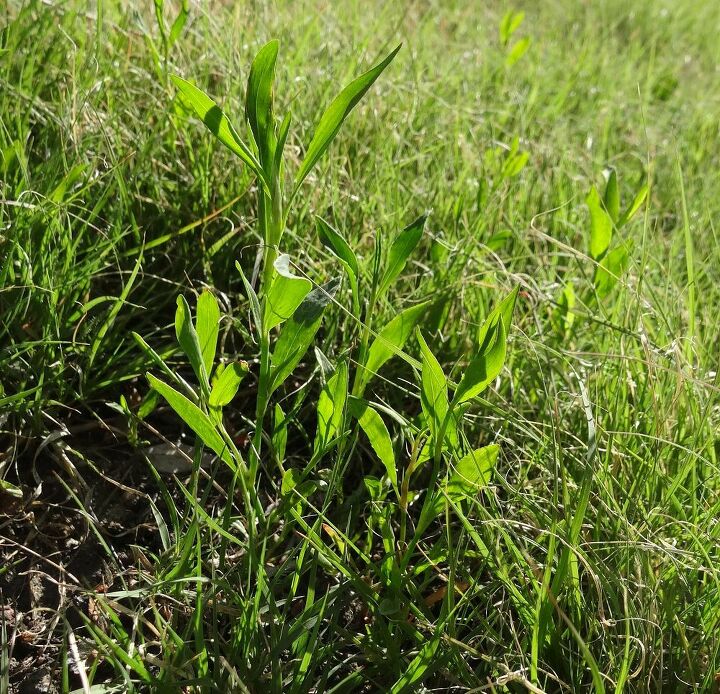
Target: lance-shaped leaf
[
  {"x": 484, "y": 367},
  {"x": 207, "y": 326},
  {"x": 160, "y": 362},
  {"x": 280, "y": 433},
  {"x": 377, "y": 433},
  {"x": 218, "y": 124},
  {"x": 331, "y": 408},
  {"x": 252, "y": 297},
  {"x": 504, "y": 309},
  {"x": 286, "y": 293},
  {"x": 472, "y": 472},
  {"x": 298, "y": 332},
  {"x": 611, "y": 268},
  {"x": 333, "y": 240},
  {"x": 259, "y": 100},
  {"x": 189, "y": 341},
  {"x": 400, "y": 251},
  {"x": 281, "y": 139},
  {"x": 336, "y": 113},
  {"x": 638, "y": 200},
  {"x": 225, "y": 386},
  {"x": 391, "y": 339},
  {"x": 509, "y": 24},
  {"x": 433, "y": 389},
  {"x": 179, "y": 23},
  {"x": 195, "y": 418},
  {"x": 518, "y": 50},
  {"x": 600, "y": 225},
  {"x": 515, "y": 163},
  {"x": 564, "y": 316},
  {"x": 612, "y": 197}
]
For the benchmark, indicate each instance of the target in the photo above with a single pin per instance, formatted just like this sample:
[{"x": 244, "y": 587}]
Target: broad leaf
[
  {"x": 400, "y": 251},
  {"x": 290, "y": 480},
  {"x": 298, "y": 332},
  {"x": 600, "y": 225},
  {"x": 286, "y": 293},
  {"x": 378, "y": 436},
  {"x": 188, "y": 340},
  {"x": 484, "y": 367},
  {"x": 259, "y": 100},
  {"x": 226, "y": 385},
  {"x": 611, "y": 268},
  {"x": 207, "y": 326},
  {"x": 331, "y": 408},
  {"x": 194, "y": 417},
  {"x": 391, "y": 339},
  {"x": 218, "y": 124},
  {"x": 336, "y": 113},
  {"x": 472, "y": 472}
]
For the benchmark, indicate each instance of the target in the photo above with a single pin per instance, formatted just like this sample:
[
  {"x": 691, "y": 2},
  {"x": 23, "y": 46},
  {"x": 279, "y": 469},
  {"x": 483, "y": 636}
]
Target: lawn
[{"x": 326, "y": 367}]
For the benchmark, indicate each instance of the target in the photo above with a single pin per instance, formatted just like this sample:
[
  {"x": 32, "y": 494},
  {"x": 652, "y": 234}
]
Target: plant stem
[{"x": 360, "y": 376}]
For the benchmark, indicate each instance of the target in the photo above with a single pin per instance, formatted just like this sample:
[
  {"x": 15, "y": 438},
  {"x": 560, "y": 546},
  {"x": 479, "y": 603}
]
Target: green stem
[
  {"x": 271, "y": 220},
  {"x": 437, "y": 460},
  {"x": 360, "y": 376},
  {"x": 405, "y": 492}
]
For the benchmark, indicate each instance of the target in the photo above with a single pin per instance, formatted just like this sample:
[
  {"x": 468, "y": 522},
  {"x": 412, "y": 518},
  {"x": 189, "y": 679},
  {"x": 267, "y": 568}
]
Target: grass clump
[{"x": 378, "y": 448}]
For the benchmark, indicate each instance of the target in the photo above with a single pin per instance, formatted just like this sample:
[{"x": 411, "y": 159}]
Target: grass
[{"x": 559, "y": 534}]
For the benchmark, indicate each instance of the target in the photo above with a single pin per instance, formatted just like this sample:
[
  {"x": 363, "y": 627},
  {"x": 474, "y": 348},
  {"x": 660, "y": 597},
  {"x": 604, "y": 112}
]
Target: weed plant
[{"x": 437, "y": 417}]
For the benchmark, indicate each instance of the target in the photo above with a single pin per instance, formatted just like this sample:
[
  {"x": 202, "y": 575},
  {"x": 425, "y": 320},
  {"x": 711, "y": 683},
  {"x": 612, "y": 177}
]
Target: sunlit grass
[{"x": 460, "y": 415}]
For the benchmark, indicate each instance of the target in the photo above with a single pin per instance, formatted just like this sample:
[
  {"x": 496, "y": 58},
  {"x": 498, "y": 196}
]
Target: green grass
[{"x": 583, "y": 559}]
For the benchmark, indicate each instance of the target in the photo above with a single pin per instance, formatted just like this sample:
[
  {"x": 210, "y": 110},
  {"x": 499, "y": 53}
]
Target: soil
[{"x": 74, "y": 534}]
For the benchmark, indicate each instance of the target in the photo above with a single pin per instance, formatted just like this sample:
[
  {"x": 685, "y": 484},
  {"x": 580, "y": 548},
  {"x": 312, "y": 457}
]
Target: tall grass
[{"x": 491, "y": 462}]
